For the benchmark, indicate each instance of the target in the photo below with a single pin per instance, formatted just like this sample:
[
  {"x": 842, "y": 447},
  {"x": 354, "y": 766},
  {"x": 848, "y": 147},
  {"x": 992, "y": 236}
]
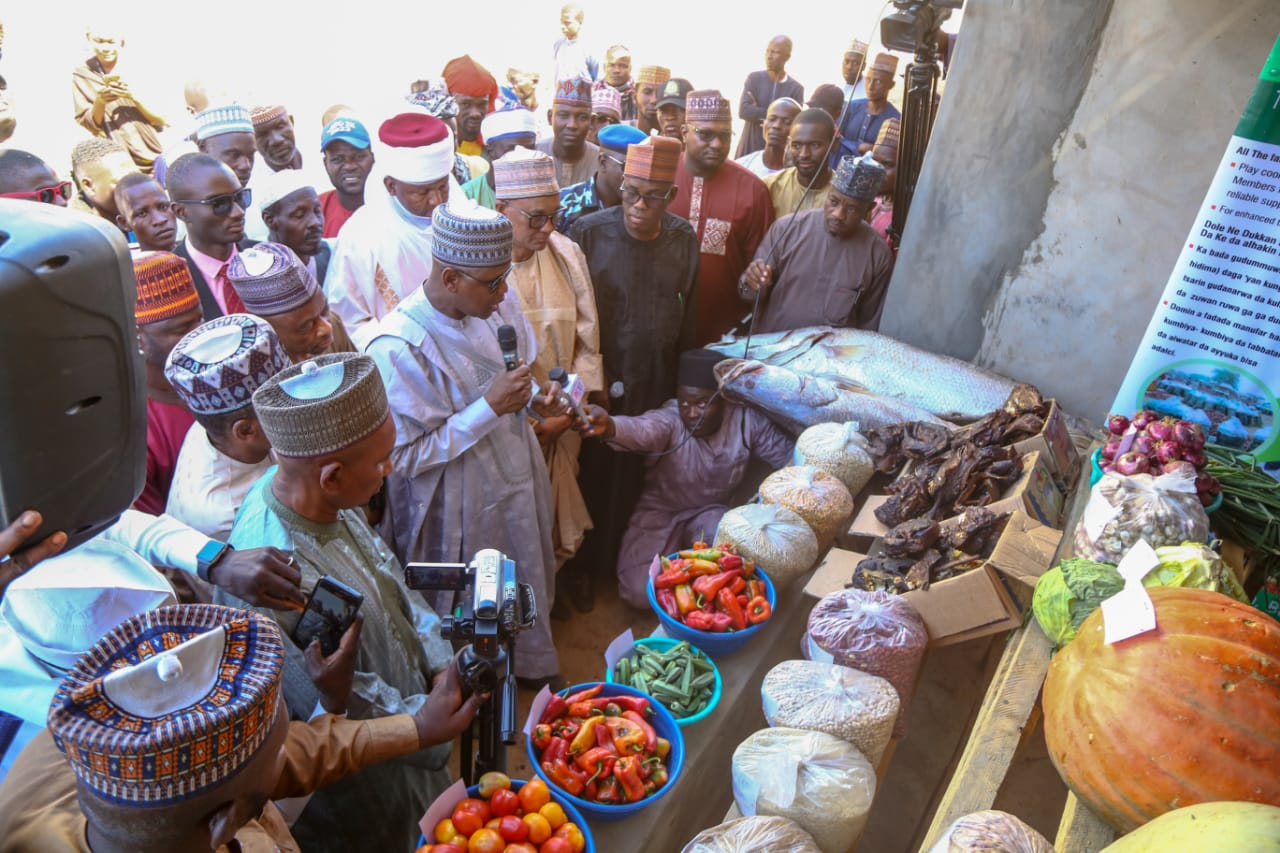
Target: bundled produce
[
  {"x": 819, "y": 781},
  {"x": 712, "y": 589},
  {"x": 917, "y": 553},
  {"x": 1250, "y": 511},
  {"x": 838, "y": 449},
  {"x": 814, "y": 495},
  {"x": 1207, "y": 826},
  {"x": 601, "y": 748},
  {"x": 771, "y": 535},
  {"x": 1150, "y": 444},
  {"x": 840, "y": 701},
  {"x": 682, "y": 678},
  {"x": 988, "y": 831},
  {"x": 1162, "y": 510},
  {"x": 503, "y": 814},
  {"x": 1066, "y": 594},
  {"x": 753, "y": 834},
  {"x": 873, "y": 632},
  {"x": 1186, "y": 713}
]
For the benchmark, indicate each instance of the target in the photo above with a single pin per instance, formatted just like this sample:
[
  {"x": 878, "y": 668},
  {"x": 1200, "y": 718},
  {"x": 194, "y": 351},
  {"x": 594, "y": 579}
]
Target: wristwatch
[{"x": 210, "y": 555}]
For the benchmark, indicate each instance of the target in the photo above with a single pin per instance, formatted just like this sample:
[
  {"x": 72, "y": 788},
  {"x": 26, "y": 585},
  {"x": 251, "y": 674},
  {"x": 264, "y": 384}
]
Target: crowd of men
[{"x": 328, "y": 396}]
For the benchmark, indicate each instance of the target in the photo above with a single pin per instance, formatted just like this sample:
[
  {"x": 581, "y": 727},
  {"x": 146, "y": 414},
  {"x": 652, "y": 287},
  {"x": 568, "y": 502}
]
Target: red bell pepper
[
  {"x": 605, "y": 738},
  {"x": 729, "y": 606},
  {"x": 591, "y": 790},
  {"x": 650, "y": 736},
  {"x": 627, "y": 772},
  {"x": 581, "y": 710},
  {"x": 628, "y": 737},
  {"x": 664, "y": 747},
  {"x": 673, "y": 578},
  {"x": 667, "y": 601},
  {"x": 737, "y": 585},
  {"x": 555, "y": 708},
  {"x": 597, "y": 761},
  {"x": 626, "y": 703},
  {"x": 708, "y": 585},
  {"x": 685, "y": 600},
  {"x": 758, "y": 610},
  {"x": 755, "y": 587},
  {"x": 565, "y": 776},
  {"x": 699, "y": 620},
  {"x": 541, "y": 736},
  {"x": 608, "y": 790},
  {"x": 730, "y": 561},
  {"x": 566, "y": 727},
  {"x": 721, "y": 622},
  {"x": 557, "y": 749},
  {"x": 584, "y": 695},
  {"x": 659, "y": 775}
]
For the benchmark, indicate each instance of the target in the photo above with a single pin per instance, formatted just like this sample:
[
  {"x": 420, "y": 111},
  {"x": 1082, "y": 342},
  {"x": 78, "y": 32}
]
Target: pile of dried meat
[{"x": 919, "y": 552}]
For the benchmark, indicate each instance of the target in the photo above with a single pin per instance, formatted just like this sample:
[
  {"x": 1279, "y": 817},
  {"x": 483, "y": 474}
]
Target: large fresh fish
[
  {"x": 948, "y": 387},
  {"x": 798, "y": 400}
]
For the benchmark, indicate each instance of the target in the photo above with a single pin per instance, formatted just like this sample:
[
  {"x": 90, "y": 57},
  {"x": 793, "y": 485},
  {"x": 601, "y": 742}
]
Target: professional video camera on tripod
[{"x": 487, "y": 621}]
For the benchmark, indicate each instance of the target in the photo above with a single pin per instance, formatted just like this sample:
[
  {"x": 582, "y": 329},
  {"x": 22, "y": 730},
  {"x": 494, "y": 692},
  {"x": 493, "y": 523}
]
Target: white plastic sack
[
  {"x": 817, "y": 780},
  {"x": 827, "y": 697},
  {"x": 838, "y": 449},
  {"x": 991, "y": 831},
  {"x": 814, "y": 495},
  {"x": 773, "y": 537},
  {"x": 753, "y": 835},
  {"x": 1162, "y": 510}
]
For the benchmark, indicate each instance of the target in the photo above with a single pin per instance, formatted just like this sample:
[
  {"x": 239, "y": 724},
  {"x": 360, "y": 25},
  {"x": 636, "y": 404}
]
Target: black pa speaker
[{"x": 73, "y": 427}]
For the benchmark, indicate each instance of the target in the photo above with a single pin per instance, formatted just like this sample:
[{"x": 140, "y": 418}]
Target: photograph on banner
[{"x": 1232, "y": 406}]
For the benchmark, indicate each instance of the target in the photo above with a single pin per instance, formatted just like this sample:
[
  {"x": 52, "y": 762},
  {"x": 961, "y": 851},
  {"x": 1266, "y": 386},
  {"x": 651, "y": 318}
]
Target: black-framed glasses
[
  {"x": 44, "y": 195},
  {"x": 538, "y": 221},
  {"x": 220, "y": 205},
  {"x": 491, "y": 286},
  {"x": 634, "y": 196},
  {"x": 708, "y": 136}
]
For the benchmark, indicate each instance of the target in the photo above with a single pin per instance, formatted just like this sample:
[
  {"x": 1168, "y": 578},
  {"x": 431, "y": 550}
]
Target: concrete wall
[{"x": 1050, "y": 213}]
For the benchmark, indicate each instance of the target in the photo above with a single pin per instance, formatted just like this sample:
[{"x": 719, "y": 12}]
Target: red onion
[
  {"x": 1161, "y": 430},
  {"x": 1141, "y": 419},
  {"x": 1117, "y": 424},
  {"x": 1195, "y": 457},
  {"x": 1168, "y": 451},
  {"x": 1111, "y": 449},
  {"x": 1144, "y": 444},
  {"x": 1206, "y": 499},
  {"x": 1107, "y": 466},
  {"x": 1207, "y": 484},
  {"x": 1133, "y": 463},
  {"x": 1188, "y": 434}
]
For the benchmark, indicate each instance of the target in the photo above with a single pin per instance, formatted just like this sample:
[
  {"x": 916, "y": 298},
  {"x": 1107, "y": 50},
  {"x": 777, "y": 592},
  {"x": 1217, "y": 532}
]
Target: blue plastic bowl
[
  {"x": 662, "y": 644},
  {"x": 710, "y": 642},
  {"x": 1096, "y": 459},
  {"x": 665, "y": 726},
  {"x": 574, "y": 816}
]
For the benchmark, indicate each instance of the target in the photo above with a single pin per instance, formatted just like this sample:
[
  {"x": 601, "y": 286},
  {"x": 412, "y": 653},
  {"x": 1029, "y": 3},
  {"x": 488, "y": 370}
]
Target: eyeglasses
[
  {"x": 492, "y": 286},
  {"x": 634, "y": 196},
  {"x": 616, "y": 160},
  {"x": 44, "y": 195},
  {"x": 220, "y": 205},
  {"x": 538, "y": 221},
  {"x": 708, "y": 136}
]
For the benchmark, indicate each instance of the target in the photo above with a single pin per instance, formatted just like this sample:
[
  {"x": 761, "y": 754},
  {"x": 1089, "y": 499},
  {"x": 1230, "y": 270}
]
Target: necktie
[{"x": 231, "y": 302}]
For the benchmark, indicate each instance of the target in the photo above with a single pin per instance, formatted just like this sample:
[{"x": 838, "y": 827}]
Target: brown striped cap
[{"x": 322, "y": 405}]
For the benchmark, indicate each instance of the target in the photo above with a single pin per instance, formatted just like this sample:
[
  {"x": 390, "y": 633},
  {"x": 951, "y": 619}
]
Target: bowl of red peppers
[
  {"x": 609, "y": 749},
  {"x": 711, "y": 597}
]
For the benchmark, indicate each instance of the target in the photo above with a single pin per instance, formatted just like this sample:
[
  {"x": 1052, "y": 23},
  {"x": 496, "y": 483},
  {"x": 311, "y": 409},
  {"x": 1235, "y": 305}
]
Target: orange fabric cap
[{"x": 165, "y": 288}]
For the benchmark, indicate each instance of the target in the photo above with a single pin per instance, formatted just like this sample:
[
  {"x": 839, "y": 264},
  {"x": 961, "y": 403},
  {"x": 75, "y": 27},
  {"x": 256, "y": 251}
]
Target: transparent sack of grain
[
  {"x": 838, "y": 449},
  {"x": 773, "y": 537},
  {"x": 753, "y": 835},
  {"x": 827, "y": 697},
  {"x": 814, "y": 495}
]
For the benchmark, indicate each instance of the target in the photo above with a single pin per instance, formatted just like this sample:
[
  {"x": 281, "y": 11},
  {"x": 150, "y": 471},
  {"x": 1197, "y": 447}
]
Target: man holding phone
[{"x": 328, "y": 423}]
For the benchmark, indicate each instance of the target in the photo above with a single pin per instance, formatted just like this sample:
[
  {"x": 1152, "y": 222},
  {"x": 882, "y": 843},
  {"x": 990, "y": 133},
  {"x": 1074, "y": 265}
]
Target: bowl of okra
[{"x": 674, "y": 673}]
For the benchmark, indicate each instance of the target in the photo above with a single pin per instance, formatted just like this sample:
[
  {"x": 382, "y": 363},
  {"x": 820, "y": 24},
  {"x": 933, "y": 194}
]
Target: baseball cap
[
  {"x": 674, "y": 91},
  {"x": 346, "y": 129}
]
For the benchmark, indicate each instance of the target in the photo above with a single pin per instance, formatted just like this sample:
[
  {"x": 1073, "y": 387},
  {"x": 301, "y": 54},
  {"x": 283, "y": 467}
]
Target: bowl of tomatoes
[
  {"x": 504, "y": 815},
  {"x": 609, "y": 749},
  {"x": 712, "y": 598}
]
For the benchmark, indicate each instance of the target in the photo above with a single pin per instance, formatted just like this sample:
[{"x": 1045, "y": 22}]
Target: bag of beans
[
  {"x": 814, "y": 495},
  {"x": 827, "y": 697},
  {"x": 873, "y": 632},
  {"x": 817, "y": 780},
  {"x": 773, "y": 537},
  {"x": 752, "y": 835},
  {"x": 985, "y": 831},
  {"x": 838, "y": 449}
]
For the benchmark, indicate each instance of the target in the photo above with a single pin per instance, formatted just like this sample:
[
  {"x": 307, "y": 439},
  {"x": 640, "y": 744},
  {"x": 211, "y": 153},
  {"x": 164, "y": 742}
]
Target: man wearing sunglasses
[
  {"x": 208, "y": 198},
  {"x": 728, "y": 207},
  {"x": 26, "y": 177}
]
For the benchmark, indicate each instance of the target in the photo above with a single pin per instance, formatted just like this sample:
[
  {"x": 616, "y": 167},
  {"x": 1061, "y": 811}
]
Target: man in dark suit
[
  {"x": 207, "y": 196},
  {"x": 762, "y": 89}
]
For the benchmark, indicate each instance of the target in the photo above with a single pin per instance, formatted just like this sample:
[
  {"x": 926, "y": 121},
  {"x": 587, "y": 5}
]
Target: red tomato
[
  {"x": 504, "y": 802},
  {"x": 513, "y": 828},
  {"x": 493, "y": 823},
  {"x": 556, "y": 844},
  {"x": 455, "y": 845},
  {"x": 570, "y": 832},
  {"x": 486, "y": 841},
  {"x": 467, "y": 817},
  {"x": 520, "y": 847}
]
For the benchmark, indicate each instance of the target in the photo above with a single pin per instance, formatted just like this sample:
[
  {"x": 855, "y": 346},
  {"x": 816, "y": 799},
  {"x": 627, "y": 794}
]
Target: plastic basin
[
  {"x": 662, "y": 644},
  {"x": 714, "y": 644},
  {"x": 558, "y": 796}
]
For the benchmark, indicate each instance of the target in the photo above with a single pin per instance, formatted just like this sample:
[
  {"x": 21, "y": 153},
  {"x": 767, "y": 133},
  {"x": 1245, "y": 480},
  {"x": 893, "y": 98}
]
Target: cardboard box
[
  {"x": 1025, "y": 550},
  {"x": 1054, "y": 443}
]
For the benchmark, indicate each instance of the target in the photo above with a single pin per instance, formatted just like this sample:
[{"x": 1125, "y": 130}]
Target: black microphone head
[
  {"x": 558, "y": 374},
  {"x": 507, "y": 338}
]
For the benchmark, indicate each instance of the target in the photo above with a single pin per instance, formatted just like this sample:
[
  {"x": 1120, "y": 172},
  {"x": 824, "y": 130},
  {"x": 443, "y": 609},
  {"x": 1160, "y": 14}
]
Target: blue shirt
[
  {"x": 576, "y": 201},
  {"x": 860, "y": 126}
]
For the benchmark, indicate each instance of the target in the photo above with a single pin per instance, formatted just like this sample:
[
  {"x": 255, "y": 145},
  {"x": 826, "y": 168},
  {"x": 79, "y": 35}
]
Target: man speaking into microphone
[{"x": 467, "y": 472}]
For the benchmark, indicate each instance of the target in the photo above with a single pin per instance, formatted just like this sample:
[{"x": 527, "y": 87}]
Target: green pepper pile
[
  {"x": 601, "y": 748},
  {"x": 682, "y": 678}
]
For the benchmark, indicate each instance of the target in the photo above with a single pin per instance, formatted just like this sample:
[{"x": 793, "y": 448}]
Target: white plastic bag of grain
[
  {"x": 773, "y": 537},
  {"x": 753, "y": 835},
  {"x": 818, "y": 780},
  {"x": 838, "y": 449},
  {"x": 872, "y": 632},
  {"x": 827, "y": 697},
  {"x": 991, "y": 830},
  {"x": 814, "y": 495}
]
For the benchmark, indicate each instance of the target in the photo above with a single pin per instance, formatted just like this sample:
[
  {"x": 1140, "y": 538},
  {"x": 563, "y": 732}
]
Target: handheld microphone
[
  {"x": 573, "y": 390},
  {"x": 507, "y": 343}
]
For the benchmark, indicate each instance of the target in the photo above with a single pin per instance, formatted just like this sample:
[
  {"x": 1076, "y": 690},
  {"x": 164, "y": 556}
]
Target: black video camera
[{"x": 907, "y": 30}]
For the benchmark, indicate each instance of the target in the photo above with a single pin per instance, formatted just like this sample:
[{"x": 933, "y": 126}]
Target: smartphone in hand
[{"x": 330, "y": 610}]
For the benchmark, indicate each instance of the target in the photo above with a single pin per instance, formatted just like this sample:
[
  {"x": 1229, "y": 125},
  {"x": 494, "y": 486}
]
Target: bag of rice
[
  {"x": 985, "y": 831},
  {"x": 817, "y": 780},
  {"x": 773, "y": 537},
  {"x": 827, "y": 697},
  {"x": 814, "y": 495},
  {"x": 752, "y": 835},
  {"x": 873, "y": 632},
  {"x": 838, "y": 449}
]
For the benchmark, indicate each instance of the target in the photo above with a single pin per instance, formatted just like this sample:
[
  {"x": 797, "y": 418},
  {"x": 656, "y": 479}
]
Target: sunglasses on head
[
  {"x": 45, "y": 195},
  {"x": 220, "y": 205}
]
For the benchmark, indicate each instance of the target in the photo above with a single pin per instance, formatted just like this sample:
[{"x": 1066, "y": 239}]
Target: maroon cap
[{"x": 412, "y": 130}]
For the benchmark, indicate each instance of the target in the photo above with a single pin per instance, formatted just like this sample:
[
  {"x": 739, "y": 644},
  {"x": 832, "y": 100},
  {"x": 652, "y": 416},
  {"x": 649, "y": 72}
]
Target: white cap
[
  {"x": 269, "y": 188},
  {"x": 424, "y": 164},
  {"x": 508, "y": 123}
]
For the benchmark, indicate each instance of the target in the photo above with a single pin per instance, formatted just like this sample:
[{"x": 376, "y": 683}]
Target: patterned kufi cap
[
  {"x": 264, "y": 115},
  {"x": 655, "y": 159},
  {"x": 886, "y": 147},
  {"x": 885, "y": 62},
  {"x": 521, "y": 173},
  {"x": 322, "y": 405},
  {"x": 859, "y": 178},
  {"x": 708, "y": 107},
  {"x": 467, "y": 235},
  {"x": 574, "y": 93},
  {"x": 217, "y": 366},
  {"x": 857, "y": 46},
  {"x": 270, "y": 279},
  {"x": 415, "y": 148},
  {"x": 165, "y": 289},
  {"x": 652, "y": 74},
  {"x": 606, "y": 100},
  {"x": 232, "y": 118},
  {"x": 515, "y": 121},
  {"x": 170, "y": 703}
]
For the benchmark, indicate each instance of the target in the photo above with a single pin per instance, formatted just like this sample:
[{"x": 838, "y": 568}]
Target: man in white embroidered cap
[
  {"x": 331, "y": 433},
  {"x": 468, "y": 473},
  {"x": 173, "y": 736}
]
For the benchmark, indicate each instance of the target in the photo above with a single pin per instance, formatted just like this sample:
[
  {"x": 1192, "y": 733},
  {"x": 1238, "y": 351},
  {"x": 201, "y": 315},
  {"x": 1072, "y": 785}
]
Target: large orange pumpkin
[{"x": 1188, "y": 713}]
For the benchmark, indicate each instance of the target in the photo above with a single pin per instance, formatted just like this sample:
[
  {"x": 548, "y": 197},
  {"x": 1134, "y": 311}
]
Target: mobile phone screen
[
  {"x": 327, "y": 617},
  {"x": 435, "y": 576}
]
